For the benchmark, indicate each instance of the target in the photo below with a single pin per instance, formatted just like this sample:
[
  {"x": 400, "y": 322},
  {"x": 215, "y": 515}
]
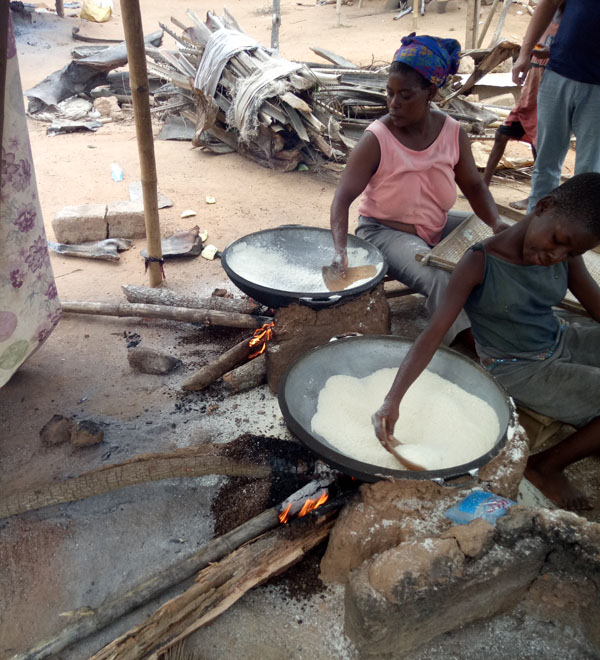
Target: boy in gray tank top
[{"x": 508, "y": 285}]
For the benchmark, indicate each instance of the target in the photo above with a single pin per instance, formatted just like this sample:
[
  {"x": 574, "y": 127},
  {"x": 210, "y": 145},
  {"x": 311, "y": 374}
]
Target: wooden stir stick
[{"x": 391, "y": 444}]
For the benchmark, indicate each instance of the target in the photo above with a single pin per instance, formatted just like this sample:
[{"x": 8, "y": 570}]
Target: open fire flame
[
  {"x": 308, "y": 506},
  {"x": 260, "y": 339}
]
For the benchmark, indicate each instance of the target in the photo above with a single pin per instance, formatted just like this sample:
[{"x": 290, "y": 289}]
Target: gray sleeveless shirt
[{"x": 511, "y": 310}]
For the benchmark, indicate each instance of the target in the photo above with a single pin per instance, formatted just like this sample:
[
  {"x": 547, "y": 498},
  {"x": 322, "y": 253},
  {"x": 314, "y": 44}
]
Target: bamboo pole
[
  {"x": 275, "y": 26},
  {"x": 486, "y": 25},
  {"x": 501, "y": 20},
  {"x": 185, "y": 314},
  {"x": 138, "y": 76}
]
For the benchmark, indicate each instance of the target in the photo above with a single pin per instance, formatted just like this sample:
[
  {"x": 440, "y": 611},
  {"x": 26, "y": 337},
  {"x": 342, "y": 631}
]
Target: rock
[
  {"x": 473, "y": 539},
  {"x": 80, "y": 224},
  {"x": 108, "y": 106},
  {"x": 466, "y": 64},
  {"x": 126, "y": 220},
  {"x": 151, "y": 361},
  {"x": 57, "y": 431},
  {"x": 86, "y": 433}
]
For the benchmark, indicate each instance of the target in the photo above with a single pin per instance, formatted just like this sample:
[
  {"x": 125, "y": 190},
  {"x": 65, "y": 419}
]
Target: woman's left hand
[{"x": 499, "y": 226}]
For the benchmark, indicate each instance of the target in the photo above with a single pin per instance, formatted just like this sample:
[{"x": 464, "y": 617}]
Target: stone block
[
  {"x": 299, "y": 328},
  {"x": 80, "y": 224},
  {"x": 108, "y": 106},
  {"x": 433, "y": 596},
  {"x": 126, "y": 220}
]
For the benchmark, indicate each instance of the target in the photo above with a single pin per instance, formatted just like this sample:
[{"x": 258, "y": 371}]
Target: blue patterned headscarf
[{"x": 433, "y": 58}]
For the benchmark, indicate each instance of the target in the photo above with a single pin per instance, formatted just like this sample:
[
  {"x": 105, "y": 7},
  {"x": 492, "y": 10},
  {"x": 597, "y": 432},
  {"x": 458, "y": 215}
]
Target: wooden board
[{"x": 448, "y": 252}]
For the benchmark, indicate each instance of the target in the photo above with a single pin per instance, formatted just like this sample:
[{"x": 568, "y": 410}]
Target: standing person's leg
[
  {"x": 400, "y": 249},
  {"x": 553, "y": 134},
  {"x": 586, "y": 126},
  {"x": 500, "y": 142}
]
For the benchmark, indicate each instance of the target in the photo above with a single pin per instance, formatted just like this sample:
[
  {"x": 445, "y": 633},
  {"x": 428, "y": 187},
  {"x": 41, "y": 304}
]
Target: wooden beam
[
  {"x": 138, "y": 77},
  {"x": 185, "y": 314}
]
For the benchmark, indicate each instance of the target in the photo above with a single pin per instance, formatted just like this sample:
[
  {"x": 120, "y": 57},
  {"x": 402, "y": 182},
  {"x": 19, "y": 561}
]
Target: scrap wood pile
[{"x": 240, "y": 96}]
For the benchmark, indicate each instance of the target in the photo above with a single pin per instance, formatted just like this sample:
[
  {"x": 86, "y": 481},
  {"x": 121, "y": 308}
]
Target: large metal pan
[
  {"x": 281, "y": 266},
  {"x": 360, "y": 357}
]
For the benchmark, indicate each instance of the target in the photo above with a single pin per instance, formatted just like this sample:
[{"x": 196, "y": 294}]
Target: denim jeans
[{"x": 565, "y": 106}]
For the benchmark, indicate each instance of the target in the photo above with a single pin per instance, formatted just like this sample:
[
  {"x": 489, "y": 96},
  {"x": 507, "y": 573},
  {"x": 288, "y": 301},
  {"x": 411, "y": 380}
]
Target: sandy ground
[{"x": 66, "y": 557}]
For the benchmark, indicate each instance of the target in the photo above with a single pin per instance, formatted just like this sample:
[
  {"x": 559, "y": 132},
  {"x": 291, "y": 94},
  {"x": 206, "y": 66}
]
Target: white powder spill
[
  {"x": 441, "y": 425},
  {"x": 299, "y": 272}
]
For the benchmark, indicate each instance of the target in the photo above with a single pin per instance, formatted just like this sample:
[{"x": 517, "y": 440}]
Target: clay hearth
[
  {"x": 299, "y": 328},
  {"x": 411, "y": 575}
]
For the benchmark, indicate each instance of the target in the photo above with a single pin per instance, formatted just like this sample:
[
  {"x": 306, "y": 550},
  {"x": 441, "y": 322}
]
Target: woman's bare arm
[
  {"x": 470, "y": 181},
  {"x": 362, "y": 164}
]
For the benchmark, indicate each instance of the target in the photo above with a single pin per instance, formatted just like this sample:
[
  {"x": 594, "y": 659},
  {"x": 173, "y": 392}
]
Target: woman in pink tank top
[{"x": 407, "y": 166}]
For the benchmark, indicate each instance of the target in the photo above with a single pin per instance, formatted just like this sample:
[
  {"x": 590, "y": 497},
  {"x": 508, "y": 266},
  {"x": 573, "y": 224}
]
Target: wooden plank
[{"x": 338, "y": 60}]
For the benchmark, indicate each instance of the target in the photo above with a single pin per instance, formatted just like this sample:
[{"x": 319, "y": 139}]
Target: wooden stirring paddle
[
  {"x": 335, "y": 282},
  {"x": 391, "y": 445}
]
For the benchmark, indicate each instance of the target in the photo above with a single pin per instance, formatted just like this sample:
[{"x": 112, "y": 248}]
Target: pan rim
[{"x": 367, "y": 471}]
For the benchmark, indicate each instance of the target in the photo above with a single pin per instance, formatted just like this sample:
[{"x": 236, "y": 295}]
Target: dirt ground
[{"x": 67, "y": 557}]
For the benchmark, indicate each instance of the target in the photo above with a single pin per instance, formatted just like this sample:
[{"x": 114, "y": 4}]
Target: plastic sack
[
  {"x": 98, "y": 11},
  {"x": 479, "y": 504}
]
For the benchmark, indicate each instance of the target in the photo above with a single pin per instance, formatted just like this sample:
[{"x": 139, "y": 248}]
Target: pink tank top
[{"x": 414, "y": 187}]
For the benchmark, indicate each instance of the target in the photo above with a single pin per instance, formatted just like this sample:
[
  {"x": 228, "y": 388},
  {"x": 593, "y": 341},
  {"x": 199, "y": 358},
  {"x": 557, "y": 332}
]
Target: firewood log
[{"x": 249, "y": 375}]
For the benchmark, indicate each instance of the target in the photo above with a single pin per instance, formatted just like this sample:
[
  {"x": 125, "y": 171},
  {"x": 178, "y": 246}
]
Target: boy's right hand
[{"x": 384, "y": 421}]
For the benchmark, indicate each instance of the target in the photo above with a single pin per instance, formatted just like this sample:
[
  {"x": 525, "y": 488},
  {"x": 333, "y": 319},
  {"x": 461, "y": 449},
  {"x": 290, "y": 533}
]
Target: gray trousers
[
  {"x": 565, "y": 106},
  {"x": 400, "y": 249},
  {"x": 566, "y": 386}
]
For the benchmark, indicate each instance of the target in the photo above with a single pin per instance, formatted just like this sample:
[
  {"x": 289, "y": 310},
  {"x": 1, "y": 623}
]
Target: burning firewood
[
  {"x": 232, "y": 358},
  {"x": 249, "y": 375},
  {"x": 276, "y": 548},
  {"x": 218, "y": 587}
]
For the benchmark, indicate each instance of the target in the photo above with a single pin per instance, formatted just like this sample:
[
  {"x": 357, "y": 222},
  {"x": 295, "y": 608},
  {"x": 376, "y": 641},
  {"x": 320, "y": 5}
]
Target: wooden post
[
  {"x": 60, "y": 8},
  {"x": 4, "y": 19},
  {"x": 486, "y": 25},
  {"x": 338, "y": 13},
  {"x": 138, "y": 75},
  {"x": 472, "y": 23},
  {"x": 415, "y": 15},
  {"x": 498, "y": 31},
  {"x": 275, "y": 26}
]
